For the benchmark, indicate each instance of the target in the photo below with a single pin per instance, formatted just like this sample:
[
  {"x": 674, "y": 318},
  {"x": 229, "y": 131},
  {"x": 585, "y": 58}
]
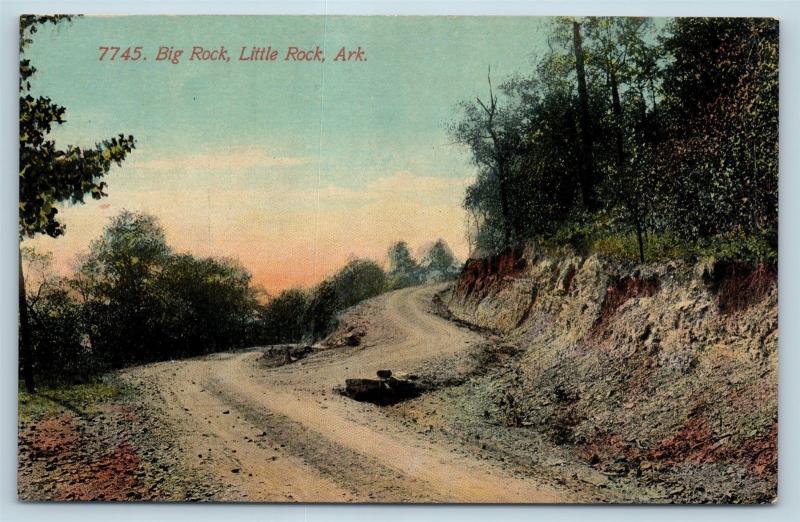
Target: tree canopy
[
  {"x": 666, "y": 135},
  {"x": 49, "y": 175}
]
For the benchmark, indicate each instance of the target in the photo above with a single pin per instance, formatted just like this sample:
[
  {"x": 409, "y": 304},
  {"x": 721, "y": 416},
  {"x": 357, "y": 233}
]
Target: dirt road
[{"x": 283, "y": 434}]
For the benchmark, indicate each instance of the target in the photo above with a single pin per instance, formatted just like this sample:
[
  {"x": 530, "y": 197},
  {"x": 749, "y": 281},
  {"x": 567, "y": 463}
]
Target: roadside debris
[
  {"x": 280, "y": 354},
  {"x": 383, "y": 390}
]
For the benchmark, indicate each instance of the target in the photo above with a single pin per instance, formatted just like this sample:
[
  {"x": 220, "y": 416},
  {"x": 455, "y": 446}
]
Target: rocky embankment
[{"x": 661, "y": 377}]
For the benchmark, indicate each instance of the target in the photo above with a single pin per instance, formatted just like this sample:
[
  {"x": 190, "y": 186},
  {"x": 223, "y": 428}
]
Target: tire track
[{"x": 358, "y": 473}]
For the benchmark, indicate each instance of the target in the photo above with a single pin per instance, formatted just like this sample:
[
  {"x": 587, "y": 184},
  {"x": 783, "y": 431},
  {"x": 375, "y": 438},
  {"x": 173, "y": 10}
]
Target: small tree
[
  {"x": 403, "y": 269},
  {"x": 493, "y": 136},
  {"x": 322, "y": 308},
  {"x": 439, "y": 262},
  {"x": 360, "y": 279},
  {"x": 55, "y": 318},
  {"x": 285, "y": 318}
]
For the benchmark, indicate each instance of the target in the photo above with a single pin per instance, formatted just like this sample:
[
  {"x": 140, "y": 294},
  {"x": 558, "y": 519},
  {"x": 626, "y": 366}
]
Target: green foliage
[
  {"x": 627, "y": 133},
  {"x": 322, "y": 308},
  {"x": 720, "y": 122},
  {"x": 360, "y": 279},
  {"x": 119, "y": 283},
  {"x": 439, "y": 263},
  {"x": 306, "y": 315},
  {"x": 625, "y": 247},
  {"x": 208, "y": 305},
  {"x": 753, "y": 249},
  {"x": 605, "y": 241},
  {"x": 55, "y": 315},
  {"x": 132, "y": 300},
  {"x": 298, "y": 314},
  {"x": 403, "y": 269},
  {"x": 283, "y": 319},
  {"x": 48, "y": 175}
]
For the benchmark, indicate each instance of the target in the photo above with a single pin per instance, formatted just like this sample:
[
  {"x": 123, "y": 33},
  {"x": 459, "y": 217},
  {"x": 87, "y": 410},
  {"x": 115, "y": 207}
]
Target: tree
[
  {"x": 142, "y": 302},
  {"x": 284, "y": 319},
  {"x": 614, "y": 43},
  {"x": 56, "y": 326},
  {"x": 360, "y": 279},
  {"x": 625, "y": 128},
  {"x": 322, "y": 308},
  {"x": 119, "y": 278},
  {"x": 201, "y": 305},
  {"x": 492, "y": 134},
  {"x": 403, "y": 269},
  {"x": 588, "y": 178},
  {"x": 439, "y": 262},
  {"x": 720, "y": 114},
  {"x": 49, "y": 175}
]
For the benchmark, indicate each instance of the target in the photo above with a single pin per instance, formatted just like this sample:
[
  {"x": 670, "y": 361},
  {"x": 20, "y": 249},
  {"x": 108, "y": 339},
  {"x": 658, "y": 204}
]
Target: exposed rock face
[{"x": 668, "y": 366}]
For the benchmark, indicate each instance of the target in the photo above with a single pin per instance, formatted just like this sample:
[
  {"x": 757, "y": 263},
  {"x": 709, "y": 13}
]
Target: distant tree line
[
  {"x": 133, "y": 300},
  {"x": 437, "y": 264},
  {"x": 634, "y": 140},
  {"x": 299, "y": 314}
]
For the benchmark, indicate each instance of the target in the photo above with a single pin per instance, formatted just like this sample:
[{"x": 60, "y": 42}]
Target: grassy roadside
[{"x": 80, "y": 399}]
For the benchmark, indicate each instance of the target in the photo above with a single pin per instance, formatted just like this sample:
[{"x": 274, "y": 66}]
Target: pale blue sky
[{"x": 293, "y": 160}]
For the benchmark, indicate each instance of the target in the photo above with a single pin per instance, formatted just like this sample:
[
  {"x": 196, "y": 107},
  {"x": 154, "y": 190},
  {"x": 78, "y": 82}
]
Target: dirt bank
[{"x": 662, "y": 377}]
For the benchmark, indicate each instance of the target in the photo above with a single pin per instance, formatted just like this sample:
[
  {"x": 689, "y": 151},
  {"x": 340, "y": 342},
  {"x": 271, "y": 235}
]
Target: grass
[
  {"x": 79, "y": 398},
  {"x": 756, "y": 250}
]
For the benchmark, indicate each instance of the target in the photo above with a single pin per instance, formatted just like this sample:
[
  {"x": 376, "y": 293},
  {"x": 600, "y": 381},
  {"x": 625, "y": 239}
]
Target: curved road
[{"x": 282, "y": 434}]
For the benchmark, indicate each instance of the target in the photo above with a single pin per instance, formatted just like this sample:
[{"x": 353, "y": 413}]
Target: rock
[
  {"x": 281, "y": 354},
  {"x": 594, "y": 478},
  {"x": 382, "y": 392},
  {"x": 362, "y": 389}
]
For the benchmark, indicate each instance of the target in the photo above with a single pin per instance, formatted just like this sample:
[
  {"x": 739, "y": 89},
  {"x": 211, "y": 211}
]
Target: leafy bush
[
  {"x": 360, "y": 279},
  {"x": 284, "y": 318}
]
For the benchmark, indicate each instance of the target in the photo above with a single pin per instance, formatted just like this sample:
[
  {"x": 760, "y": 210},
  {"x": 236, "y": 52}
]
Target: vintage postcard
[{"x": 398, "y": 259}]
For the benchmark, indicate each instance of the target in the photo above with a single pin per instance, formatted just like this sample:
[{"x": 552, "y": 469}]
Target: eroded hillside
[{"x": 662, "y": 377}]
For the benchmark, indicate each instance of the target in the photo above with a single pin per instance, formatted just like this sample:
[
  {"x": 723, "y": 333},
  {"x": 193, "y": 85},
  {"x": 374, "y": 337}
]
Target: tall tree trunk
[
  {"x": 504, "y": 206},
  {"x": 25, "y": 348},
  {"x": 639, "y": 238},
  {"x": 616, "y": 106},
  {"x": 587, "y": 175}
]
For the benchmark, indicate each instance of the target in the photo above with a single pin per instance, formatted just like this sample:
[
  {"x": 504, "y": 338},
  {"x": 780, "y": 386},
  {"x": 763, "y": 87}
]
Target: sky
[{"x": 290, "y": 167}]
